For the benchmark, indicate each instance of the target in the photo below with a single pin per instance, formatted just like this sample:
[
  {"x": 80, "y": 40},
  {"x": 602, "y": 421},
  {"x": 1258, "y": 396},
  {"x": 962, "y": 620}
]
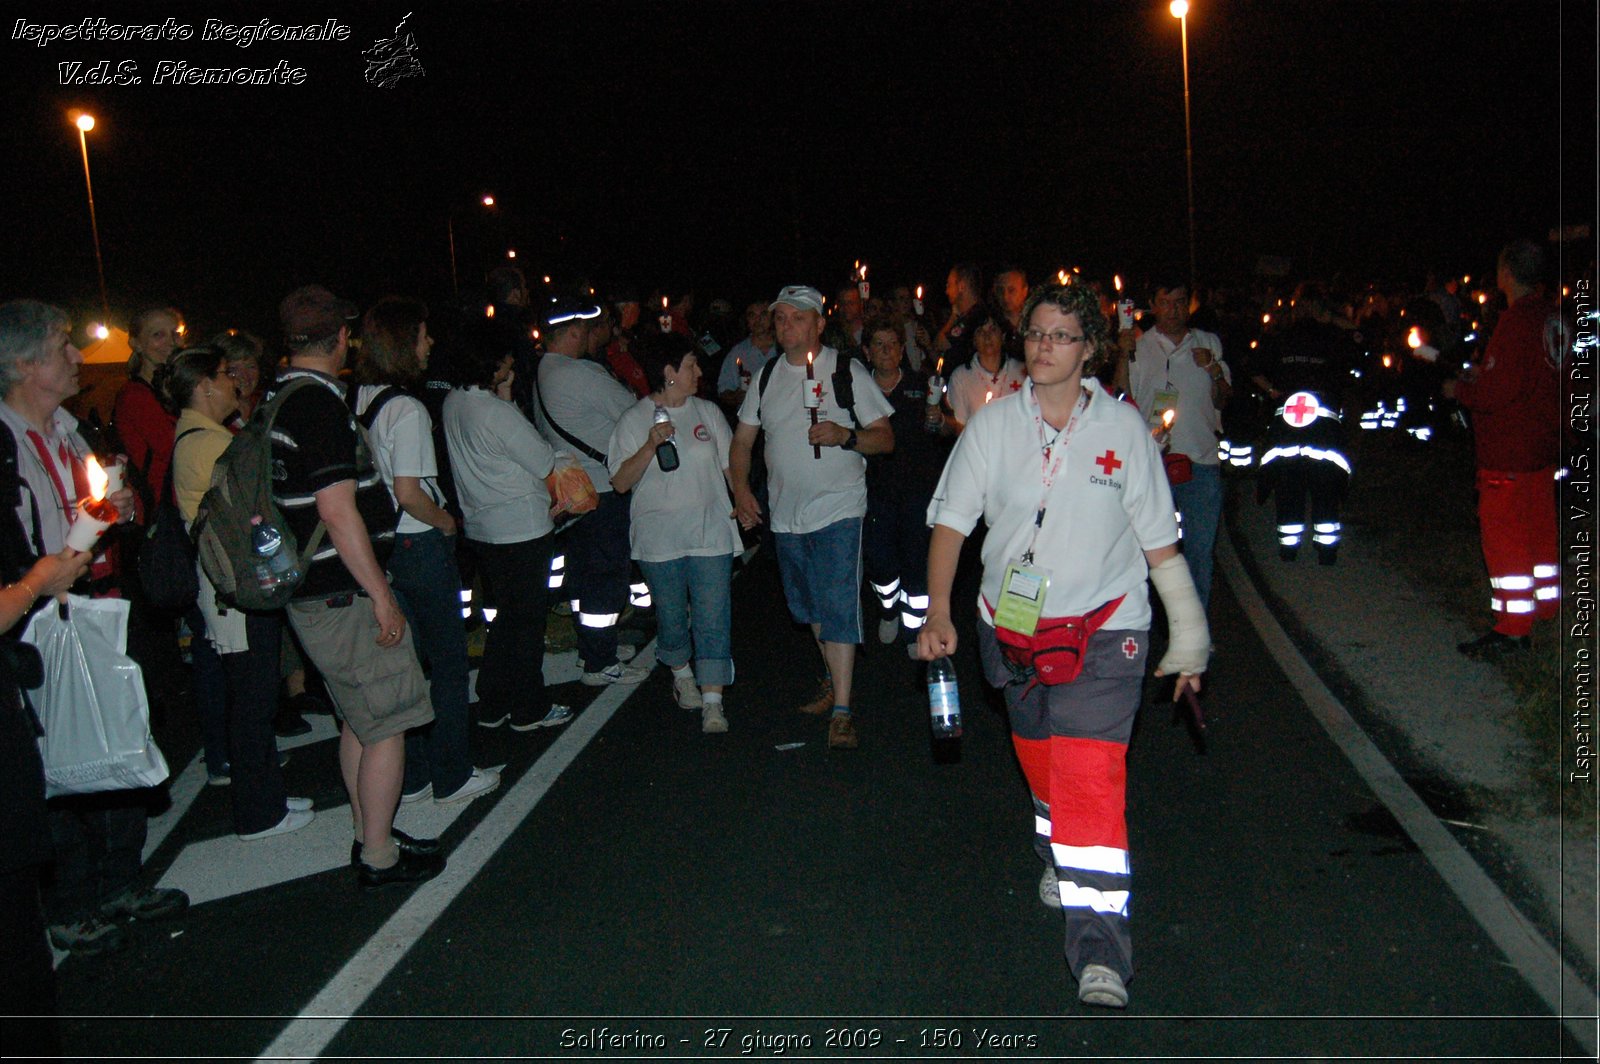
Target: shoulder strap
[
  {"x": 538, "y": 395},
  {"x": 844, "y": 387},
  {"x": 173, "y": 464},
  {"x": 369, "y": 417},
  {"x": 766, "y": 375}
]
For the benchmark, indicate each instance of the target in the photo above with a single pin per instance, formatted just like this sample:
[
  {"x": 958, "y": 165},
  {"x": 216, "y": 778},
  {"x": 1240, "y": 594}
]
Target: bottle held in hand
[
  {"x": 944, "y": 701},
  {"x": 667, "y": 452}
]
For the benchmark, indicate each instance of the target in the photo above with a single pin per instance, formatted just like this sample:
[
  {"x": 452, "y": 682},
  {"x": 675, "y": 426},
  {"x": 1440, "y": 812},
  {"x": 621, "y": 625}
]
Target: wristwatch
[{"x": 849, "y": 443}]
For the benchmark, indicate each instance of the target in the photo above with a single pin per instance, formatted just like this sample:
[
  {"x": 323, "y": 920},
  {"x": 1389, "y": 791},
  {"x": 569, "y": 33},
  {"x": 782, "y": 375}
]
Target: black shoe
[
  {"x": 1492, "y": 646},
  {"x": 407, "y": 844},
  {"x": 1288, "y": 553},
  {"x": 287, "y": 725},
  {"x": 410, "y": 868},
  {"x": 304, "y": 703}
]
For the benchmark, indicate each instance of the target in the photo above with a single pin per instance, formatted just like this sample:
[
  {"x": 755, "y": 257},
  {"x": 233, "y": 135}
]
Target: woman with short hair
[
  {"x": 681, "y": 528},
  {"x": 197, "y": 384}
]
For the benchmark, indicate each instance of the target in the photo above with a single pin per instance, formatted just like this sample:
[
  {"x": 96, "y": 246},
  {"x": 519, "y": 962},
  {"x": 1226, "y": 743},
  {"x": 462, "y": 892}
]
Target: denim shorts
[{"x": 822, "y": 578}]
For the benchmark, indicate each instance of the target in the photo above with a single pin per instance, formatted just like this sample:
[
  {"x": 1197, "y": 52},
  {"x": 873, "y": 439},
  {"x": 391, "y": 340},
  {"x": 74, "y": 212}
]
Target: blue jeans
[
  {"x": 422, "y": 570},
  {"x": 692, "y": 593},
  {"x": 821, "y": 573},
  {"x": 1200, "y": 503}
]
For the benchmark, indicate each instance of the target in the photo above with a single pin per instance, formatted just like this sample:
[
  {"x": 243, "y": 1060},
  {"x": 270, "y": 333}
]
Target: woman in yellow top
[{"x": 199, "y": 389}]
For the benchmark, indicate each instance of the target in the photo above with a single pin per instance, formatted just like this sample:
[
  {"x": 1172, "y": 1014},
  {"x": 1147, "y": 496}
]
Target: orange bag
[{"x": 572, "y": 493}]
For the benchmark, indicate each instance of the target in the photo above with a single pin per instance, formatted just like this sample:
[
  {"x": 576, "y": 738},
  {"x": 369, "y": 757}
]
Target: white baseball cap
[{"x": 799, "y": 295}]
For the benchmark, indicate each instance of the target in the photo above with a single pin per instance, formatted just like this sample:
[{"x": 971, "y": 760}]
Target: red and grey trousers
[{"x": 1072, "y": 743}]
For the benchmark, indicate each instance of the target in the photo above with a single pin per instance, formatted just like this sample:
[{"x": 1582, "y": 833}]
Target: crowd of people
[{"x": 553, "y": 452}]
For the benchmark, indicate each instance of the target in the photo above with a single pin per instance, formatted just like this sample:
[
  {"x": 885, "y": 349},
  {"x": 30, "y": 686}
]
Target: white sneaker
[
  {"x": 293, "y": 820},
  {"x": 421, "y": 794},
  {"x": 482, "y": 781},
  {"x": 1050, "y": 888},
  {"x": 1099, "y": 985},
  {"x": 625, "y": 652},
  {"x": 297, "y": 805},
  {"x": 619, "y": 673},
  {"x": 712, "y": 722},
  {"x": 888, "y": 630},
  {"x": 686, "y": 692}
]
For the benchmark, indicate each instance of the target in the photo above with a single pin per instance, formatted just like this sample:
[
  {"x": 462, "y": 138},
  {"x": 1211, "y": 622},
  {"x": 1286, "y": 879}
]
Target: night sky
[{"x": 736, "y": 146}]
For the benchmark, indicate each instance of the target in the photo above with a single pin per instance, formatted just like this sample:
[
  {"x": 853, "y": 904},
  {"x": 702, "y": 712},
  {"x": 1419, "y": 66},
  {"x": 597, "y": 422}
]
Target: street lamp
[
  {"x": 450, "y": 224},
  {"x": 85, "y": 122},
  {"x": 1180, "y": 11}
]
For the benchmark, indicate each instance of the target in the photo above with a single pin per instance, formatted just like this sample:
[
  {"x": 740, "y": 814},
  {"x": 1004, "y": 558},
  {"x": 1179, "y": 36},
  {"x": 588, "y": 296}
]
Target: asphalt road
[{"x": 658, "y": 892}]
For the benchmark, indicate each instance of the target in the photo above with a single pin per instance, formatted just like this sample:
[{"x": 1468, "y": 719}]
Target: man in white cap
[{"x": 822, "y": 415}]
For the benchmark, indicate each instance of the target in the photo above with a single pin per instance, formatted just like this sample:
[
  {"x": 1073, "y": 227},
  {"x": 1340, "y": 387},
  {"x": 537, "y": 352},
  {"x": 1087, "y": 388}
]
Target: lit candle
[
  {"x": 666, "y": 316},
  {"x": 95, "y": 514},
  {"x": 1061, "y": 276},
  {"x": 1168, "y": 418},
  {"x": 861, "y": 283},
  {"x": 1414, "y": 338},
  {"x": 916, "y": 303},
  {"x": 812, "y": 398},
  {"x": 1116, "y": 279},
  {"x": 488, "y": 311}
]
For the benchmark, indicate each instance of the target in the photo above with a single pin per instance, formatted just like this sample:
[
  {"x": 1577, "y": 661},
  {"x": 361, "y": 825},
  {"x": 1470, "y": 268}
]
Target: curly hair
[{"x": 1081, "y": 300}]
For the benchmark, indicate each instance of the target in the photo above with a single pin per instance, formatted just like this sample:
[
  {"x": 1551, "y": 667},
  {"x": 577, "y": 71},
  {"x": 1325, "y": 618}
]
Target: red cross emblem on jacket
[{"x": 1109, "y": 463}]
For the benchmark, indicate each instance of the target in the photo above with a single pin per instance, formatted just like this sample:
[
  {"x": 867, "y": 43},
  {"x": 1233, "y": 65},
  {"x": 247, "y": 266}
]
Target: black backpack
[
  {"x": 167, "y": 556},
  {"x": 844, "y": 386}
]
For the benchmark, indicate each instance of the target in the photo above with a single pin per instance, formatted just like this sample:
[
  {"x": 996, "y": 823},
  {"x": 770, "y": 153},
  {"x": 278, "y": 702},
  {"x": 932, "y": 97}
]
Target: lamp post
[
  {"x": 1180, "y": 11},
  {"x": 450, "y": 224},
  {"x": 85, "y": 122}
]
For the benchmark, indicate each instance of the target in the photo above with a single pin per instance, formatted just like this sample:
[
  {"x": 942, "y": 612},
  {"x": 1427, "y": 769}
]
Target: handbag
[
  {"x": 92, "y": 704},
  {"x": 1055, "y": 650},
  {"x": 167, "y": 556}
]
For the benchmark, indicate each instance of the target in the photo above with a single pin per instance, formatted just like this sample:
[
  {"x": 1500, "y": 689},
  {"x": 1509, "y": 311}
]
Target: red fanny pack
[
  {"x": 1180, "y": 469},
  {"x": 1055, "y": 651}
]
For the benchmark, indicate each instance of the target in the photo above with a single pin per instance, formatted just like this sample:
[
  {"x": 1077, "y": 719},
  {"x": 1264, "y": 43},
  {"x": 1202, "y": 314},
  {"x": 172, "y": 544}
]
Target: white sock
[
  {"x": 683, "y": 672},
  {"x": 712, "y": 698}
]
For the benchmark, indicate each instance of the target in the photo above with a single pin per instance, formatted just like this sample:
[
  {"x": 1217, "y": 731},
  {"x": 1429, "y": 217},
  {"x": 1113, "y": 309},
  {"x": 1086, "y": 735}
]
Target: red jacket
[
  {"x": 146, "y": 431},
  {"x": 1515, "y": 395}
]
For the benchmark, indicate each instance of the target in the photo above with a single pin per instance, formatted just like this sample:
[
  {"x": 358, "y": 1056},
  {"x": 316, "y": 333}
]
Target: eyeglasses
[{"x": 1057, "y": 337}]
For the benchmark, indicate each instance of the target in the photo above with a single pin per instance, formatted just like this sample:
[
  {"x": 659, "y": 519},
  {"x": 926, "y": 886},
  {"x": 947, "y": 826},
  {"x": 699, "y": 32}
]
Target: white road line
[
  {"x": 1539, "y": 963},
  {"x": 321, "y": 1020}
]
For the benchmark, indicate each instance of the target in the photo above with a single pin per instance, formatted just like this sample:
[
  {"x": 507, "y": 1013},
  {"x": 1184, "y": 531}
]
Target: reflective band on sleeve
[
  {"x": 1519, "y": 606},
  {"x": 1101, "y": 901},
  {"x": 599, "y": 620},
  {"x": 1546, "y": 572},
  {"x": 1091, "y": 858},
  {"x": 1547, "y": 593},
  {"x": 1512, "y": 583}
]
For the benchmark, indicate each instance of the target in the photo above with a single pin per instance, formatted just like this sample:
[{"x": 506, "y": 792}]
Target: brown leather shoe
[
  {"x": 841, "y": 734},
  {"x": 823, "y": 702}
]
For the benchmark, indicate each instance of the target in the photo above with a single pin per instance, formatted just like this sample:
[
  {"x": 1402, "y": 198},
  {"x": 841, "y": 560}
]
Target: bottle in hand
[
  {"x": 944, "y": 701},
  {"x": 667, "y": 452}
]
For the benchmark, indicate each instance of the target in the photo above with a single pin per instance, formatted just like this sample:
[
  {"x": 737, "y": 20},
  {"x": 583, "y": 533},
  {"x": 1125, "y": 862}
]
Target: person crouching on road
[
  {"x": 681, "y": 524},
  {"x": 1063, "y": 463}
]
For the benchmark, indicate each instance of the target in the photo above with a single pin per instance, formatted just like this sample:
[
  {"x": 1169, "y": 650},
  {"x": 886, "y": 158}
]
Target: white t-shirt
[
  {"x": 1160, "y": 365},
  {"x": 499, "y": 462},
  {"x": 971, "y": 382},
  {"x": 808, "y": 493},
  {"x": 402, "y": 446},
  {"x": 745, "y": 356},
  {"x": 585, "y": 401},
  {"x": 686, "y": 512},
  {"x": 1108, "y": 503}
]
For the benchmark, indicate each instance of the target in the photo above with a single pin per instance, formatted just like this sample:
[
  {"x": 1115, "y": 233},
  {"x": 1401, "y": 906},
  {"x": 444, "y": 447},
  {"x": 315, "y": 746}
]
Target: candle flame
[
  {"x": 1116, "y": 279},
  {"x": 97, "y": 478},
  {"x": 863, "y": 273},
  {"x": 1061, "y": 276},
  {"x": 1482, "y": 299},
  {"x": 1168, "y": 418},
  {"x": 1266, "y": 319},
  {"x": 809, "y": 355},
  {"x": 488, "y": 311},
  {"x": 919, "y": 291},
  {"x": 1414, "y": 338},
  {"x": 1388, "y": 361},
  {"x": 938, "y": 371},
  {"x": 663, "y": 302}
]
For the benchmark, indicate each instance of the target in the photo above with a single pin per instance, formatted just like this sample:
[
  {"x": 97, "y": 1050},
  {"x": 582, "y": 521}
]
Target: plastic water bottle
[
  {"x": 944, "y": 701},
  {"x": 667, "y": 453},
  {"x": 933, "y": 421},
  {"x": 275, "y": 558}
]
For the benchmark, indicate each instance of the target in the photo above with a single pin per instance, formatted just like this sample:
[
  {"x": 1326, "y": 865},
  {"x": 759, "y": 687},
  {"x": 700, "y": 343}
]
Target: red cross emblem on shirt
[
  {"x": 1109, "y": 463},
  {"x": 1130, "y": 648},
  {"x": 1301, "y": 409}
]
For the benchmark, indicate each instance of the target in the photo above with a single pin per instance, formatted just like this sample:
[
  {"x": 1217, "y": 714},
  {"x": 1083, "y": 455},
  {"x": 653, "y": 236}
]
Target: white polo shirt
[
  {"x": 402, "y": 446},
  {"x": 971, "y": 382},
  {"x": 687, "y": 512},
  {"x": 585, "y": 401},
  {"x": 1109, "y": 502},
  {"x": 1159, "y": 364},
  {"x": 807, "y": 493}
]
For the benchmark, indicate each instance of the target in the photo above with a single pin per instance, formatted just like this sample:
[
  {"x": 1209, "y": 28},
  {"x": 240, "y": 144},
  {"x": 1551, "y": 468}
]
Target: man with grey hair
[{"x": 98, "y": 839}]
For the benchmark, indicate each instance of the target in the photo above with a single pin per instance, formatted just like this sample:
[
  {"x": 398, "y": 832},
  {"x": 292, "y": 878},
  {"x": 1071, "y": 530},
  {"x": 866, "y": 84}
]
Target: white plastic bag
[{"x": 92, "y": 705}]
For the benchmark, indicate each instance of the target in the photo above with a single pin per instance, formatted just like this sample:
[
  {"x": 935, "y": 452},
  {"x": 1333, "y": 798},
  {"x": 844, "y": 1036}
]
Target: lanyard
[
  {"x": 79, "y": 478},
  {"x": 1048, "y": 466}
]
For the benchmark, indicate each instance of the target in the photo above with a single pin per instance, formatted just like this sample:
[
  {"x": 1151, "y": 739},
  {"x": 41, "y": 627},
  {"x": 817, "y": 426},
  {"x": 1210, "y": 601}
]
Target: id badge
[
  {"x": 1166, "y": 399},
  {"x": 1022, "y": 593}
]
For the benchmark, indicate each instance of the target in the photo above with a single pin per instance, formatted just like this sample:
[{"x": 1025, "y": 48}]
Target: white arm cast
[{"x": 1188, "y": 636}]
